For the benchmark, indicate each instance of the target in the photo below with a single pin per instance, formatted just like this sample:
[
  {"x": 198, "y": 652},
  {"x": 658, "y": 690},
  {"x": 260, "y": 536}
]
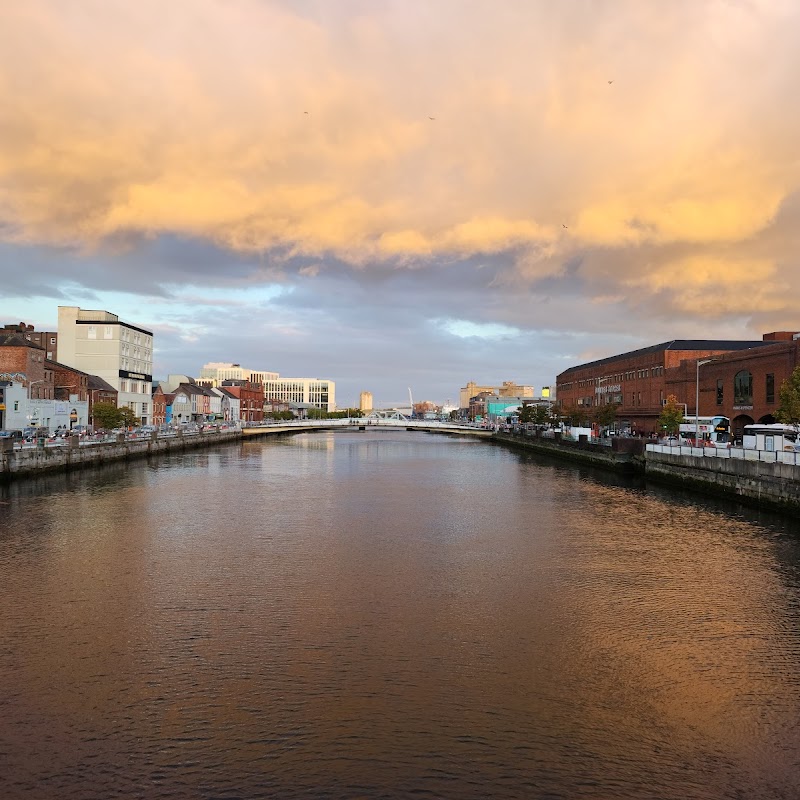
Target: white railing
[
  {"x": 765, "y": 456},
  {"x": 360, "y": 422}
]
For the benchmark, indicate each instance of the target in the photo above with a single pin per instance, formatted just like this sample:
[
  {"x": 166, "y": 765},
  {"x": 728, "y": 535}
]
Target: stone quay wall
[
  {"x": 37, "y": 460},
  {"x": 759, "y": 483},
  {"x": 624, "y": 455}
]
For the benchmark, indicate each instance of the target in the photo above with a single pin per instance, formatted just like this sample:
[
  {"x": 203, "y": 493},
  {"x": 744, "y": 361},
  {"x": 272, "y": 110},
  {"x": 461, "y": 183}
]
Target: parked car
[{"x": 12, "y": 434}]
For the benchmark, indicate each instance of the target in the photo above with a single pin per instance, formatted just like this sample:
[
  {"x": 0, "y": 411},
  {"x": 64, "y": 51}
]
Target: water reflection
[{"x": 392, "y": 614}]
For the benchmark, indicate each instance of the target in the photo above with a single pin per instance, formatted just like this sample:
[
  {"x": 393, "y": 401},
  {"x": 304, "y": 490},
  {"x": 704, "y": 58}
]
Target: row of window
[
  {"x": 134, "y": 386},
  {"x": 743, "y": 389},
  {"x": 630, "y": 375},
  {"x": 125, "y": 335}
]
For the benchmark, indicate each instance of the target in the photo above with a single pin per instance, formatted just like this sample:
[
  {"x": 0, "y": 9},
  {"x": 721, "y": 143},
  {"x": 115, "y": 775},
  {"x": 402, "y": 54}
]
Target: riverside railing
[{"x": 765, "y": 456}]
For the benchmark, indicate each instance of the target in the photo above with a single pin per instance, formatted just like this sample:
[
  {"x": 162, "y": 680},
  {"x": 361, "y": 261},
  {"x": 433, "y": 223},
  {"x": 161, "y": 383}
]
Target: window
[
  {"x": 743, "y": 389},
  {"x": 16, "y": 405},
  {"x": 52, "y": 340},
  {"x": 109, "y": 332},
  {"x": 144, "y": 408},
  {"x": 123, "y": 386},
  {"x": 771, "y": 387},
  {"x": 720, "y": 391},
  {"x": 92, "y": 334}
]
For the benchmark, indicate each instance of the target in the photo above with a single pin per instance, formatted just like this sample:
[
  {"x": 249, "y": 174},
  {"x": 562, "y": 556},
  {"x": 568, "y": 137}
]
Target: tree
[
  {"x": 606, "y": 415},
  {"x": 534, "y": 414},
  {"x": 671, "y": 415},
  {"x": 105, "y": 415},
  {"x": 127, "y": 417},
  {"x": 789, "y": 409}
]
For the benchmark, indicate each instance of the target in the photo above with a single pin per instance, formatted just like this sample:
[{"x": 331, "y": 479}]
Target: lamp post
[{"x": 700, "y": 362}]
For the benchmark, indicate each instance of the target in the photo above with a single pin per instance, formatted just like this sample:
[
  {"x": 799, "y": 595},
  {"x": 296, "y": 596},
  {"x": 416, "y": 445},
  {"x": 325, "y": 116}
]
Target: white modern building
[
  {"x": 218, "y": 371},
  {"x": 316, "y": 392},
  {"x": 99, "y": 343},
  {"x": 308, "y": 391}
]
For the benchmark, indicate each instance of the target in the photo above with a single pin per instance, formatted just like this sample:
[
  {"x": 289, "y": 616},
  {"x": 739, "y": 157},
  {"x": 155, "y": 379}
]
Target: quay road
[{"x": 270, "y": 427}]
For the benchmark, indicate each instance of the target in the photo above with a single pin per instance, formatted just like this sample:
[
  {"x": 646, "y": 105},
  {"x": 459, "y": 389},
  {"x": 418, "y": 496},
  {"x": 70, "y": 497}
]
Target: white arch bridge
[{"x": 375, "y": 421}]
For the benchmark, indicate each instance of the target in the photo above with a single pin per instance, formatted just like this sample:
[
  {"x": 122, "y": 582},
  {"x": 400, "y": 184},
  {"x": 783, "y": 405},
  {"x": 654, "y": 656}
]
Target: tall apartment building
[
  {"x": 365, "y": 401},
  {"x": 101, "y": 344}
]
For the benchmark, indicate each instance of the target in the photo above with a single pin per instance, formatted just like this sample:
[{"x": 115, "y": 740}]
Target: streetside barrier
[{"x": 766, "y": 456}]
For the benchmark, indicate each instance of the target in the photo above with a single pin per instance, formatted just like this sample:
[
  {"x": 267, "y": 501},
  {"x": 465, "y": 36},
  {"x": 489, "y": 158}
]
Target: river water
[{"x": 391, "y": 615}]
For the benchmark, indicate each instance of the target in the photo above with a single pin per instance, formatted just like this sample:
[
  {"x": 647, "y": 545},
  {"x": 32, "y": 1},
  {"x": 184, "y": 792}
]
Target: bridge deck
[{"x": 307, "y": 425}]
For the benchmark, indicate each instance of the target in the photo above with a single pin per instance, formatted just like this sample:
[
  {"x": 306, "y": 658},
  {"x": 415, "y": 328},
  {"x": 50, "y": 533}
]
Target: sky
[{"x": 399, "y": 194}]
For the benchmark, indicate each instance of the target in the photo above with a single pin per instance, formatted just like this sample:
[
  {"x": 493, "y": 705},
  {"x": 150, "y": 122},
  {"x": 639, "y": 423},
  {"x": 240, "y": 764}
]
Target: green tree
[
  {"x": 526, "y": 414},
  {"x": 127, "y": 417},
  {"x": 534, "y": 414},
  {"x": 671, "y": 415},
  {"x": 606, "y": 415},
  {"x": 789, "y": 408},
  {"x": 105, "y": 415}
]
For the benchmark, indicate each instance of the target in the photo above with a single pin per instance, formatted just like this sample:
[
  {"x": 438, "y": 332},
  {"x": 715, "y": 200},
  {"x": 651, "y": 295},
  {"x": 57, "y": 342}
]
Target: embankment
[
  {"x": 38, "y": 460},
  {"x": 624, "y": 455},
  {"x": 757, "y": 483}
]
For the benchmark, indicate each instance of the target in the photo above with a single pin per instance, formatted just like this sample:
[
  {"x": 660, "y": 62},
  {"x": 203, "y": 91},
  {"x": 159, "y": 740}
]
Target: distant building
[
  {"x": 508, "y": 389},
  {"x": 250, "y": 396},
  {"x": 47, "y": 340},
  {"x": 101, "y": 344},
  {"x": 365, "y": 401},
  {"x": 315, "y": 392},
  {"x": 214, "y": 373},
  {"x": 637, "y": 382}
]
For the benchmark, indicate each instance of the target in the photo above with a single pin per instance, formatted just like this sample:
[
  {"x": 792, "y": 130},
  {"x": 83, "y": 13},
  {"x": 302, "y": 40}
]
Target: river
[{"x": 376, "y": 614}]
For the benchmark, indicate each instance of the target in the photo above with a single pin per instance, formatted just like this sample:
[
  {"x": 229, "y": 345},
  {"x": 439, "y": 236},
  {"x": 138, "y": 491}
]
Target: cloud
[{"x": 587, "y": 165}]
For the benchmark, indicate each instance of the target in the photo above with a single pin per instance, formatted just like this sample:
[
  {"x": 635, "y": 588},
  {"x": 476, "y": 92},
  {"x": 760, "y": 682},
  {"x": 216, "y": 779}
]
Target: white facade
[
  {"x": 24, "y": 412},
  {"x": 365, "y": 401},
  {"x": 99, "y": 343},
  {"x": 314, "y": 391},
  {"x": 219, "y": 371},
  {"x": 230, "y": 405}
]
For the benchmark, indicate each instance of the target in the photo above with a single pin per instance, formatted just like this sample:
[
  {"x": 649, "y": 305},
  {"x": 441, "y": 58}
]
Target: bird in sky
[
  {"x": 305, "y": 112},
  {"x": 610, "y": 82},
  {"x": 564, "y": 226},
  {"x": 431, "y": 117}
]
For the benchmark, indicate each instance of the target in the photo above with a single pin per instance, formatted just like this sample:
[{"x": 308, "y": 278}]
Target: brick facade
[
  {"x": 18, "y": 356},
  {"x": 637, "y": 381},
  {"x": 717, "y": 381},
  {"x": 68, "y": 382},
  {"x": 251, "y": 399}
]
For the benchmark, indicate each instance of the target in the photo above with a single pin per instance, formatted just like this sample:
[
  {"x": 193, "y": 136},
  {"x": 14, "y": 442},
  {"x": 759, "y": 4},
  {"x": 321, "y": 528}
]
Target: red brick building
[
  {"x": 68, "y": 382},
  {"x": 47, "y": 340},
  {"x": 637, "y": 381},
  {"x": 743, "y": 386},
  {"x": 251, "y": 399},
  {"x": 160, "y": 402},
  {"x": 22, "y": 358}
]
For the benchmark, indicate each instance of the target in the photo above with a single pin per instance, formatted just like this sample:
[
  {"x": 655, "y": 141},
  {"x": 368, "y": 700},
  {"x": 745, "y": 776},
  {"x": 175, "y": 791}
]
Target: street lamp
[{"x": 700, "y": 362}]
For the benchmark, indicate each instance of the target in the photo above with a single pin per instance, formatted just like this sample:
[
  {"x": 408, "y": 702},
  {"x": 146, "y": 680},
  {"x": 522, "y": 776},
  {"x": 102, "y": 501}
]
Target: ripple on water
[{"x": 392, "y": 615}]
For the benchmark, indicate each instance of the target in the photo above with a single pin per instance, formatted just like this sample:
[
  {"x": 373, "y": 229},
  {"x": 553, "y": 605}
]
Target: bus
[
  {"x": 771, "y": 437},
  {"x": 710, "y": 431}
]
